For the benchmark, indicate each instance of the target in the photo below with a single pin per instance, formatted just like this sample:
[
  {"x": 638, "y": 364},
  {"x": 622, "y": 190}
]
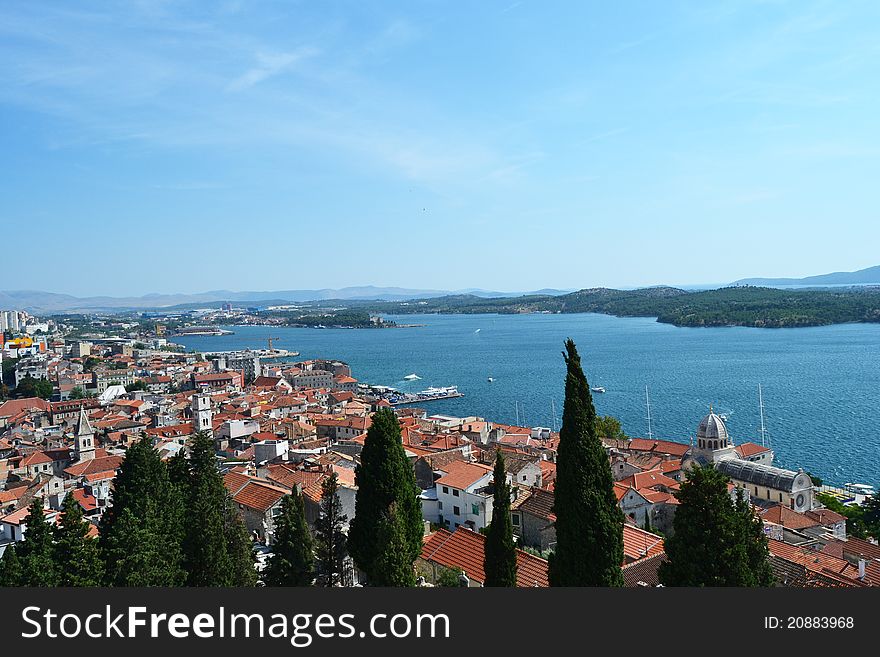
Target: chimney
[{"x": 861, "y": 569}]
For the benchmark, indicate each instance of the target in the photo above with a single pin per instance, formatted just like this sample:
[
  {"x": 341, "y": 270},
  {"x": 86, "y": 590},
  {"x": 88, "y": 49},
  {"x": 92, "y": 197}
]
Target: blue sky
[{"x": 180, "y": 146}]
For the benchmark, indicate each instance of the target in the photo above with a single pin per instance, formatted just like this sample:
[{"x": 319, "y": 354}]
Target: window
[
  {"x": 475, "y": 509},
  {"x": 456, "y": 512},
  {"x": 515, "y": 519},
  {"x": 440, "y": 505},
  {"x": 446, "y": 489},
  {"x": 454, "y": 492},
  {"x": 524, "y": 477}
]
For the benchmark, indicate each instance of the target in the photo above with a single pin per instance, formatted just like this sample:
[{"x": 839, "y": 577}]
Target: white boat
[
  {"x": 412, "y": 377},
  {"x": 490, "y": 379},
  {"x": 597, "y": 389},
  {"x": 859, "y": 489}
]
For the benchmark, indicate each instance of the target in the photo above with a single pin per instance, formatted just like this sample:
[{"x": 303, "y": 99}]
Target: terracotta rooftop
[
  {"x": 258, "y": 495},
  {"x": 658, "y": 446},
  {"x": 461, "y": 474},
  {"x": 464, "y": 549},
  {"x": 746, "y": 450},
  {"x": 637, "y": 543}
]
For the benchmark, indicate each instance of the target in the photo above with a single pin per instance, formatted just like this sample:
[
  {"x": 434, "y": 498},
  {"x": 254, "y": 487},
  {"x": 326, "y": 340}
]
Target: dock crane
[{"x": 270, "y": 340}]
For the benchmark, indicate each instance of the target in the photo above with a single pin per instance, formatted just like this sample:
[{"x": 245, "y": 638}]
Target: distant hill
[
  {"x": 759, "y": 307},
  {"x": 869, "y": 276},
  {"x": 36, "y": 301}
]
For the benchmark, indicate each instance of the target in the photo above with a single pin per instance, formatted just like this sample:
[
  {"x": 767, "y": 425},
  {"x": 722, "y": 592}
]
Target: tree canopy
[
  {"x": 589, "y": 523},
  {"x": 499, "y": 558},
  {"x": 718, "y": 541},
  {"x": 387, "y": 508},
  {"x": 293, "y": 561}
]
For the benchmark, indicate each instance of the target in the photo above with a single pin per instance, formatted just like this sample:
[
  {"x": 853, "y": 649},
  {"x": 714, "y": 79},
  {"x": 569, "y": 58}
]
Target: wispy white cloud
[{"x": 270, "y": 65}]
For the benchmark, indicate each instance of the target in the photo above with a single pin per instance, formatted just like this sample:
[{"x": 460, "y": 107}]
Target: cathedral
[{"x": 763, "y": 482}]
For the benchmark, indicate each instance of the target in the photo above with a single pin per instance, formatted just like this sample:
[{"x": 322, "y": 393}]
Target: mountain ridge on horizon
[
  {"x": 37, "y": 301},
  {"x": 867, "y": 276}
]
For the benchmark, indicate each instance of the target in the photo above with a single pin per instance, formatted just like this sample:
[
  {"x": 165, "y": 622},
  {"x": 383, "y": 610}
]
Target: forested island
[
  {"x": 334, "y": 319},
  {"x": 760, "y": 307}
]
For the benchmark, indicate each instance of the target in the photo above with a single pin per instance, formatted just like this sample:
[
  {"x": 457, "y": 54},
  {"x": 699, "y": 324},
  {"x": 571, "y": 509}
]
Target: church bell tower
[{"x": 84, "y": 444}]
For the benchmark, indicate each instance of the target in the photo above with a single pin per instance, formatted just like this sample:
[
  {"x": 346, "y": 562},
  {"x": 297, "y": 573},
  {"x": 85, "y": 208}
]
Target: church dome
[
  {"x": 712, "y": 434},
  {"x": 712, "y": 427}
]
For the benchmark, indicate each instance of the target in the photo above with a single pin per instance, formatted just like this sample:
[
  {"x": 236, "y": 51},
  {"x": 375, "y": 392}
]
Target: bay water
[{"x": 821, "y": 385}]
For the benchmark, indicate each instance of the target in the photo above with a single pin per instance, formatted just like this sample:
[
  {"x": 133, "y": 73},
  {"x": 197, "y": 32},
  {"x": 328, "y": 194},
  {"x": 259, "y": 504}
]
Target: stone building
[{"x": 761, "y": 481}]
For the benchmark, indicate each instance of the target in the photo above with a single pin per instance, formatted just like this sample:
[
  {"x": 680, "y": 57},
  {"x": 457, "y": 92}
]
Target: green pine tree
[
  {"x": 871, "y": 515},
  {"x": 141, "y": 533},
  {"x": 330, "y": 540},
  {"x": 178, "y": 471},
  {"x": 589, "y": 523},
  {"x": 36, "y": 552},
  {"x": 217, "y": 551},
  {"x": 76, "y": 553},
  {"x": 240, "y": 546},
  {"x": 385, "y": 478},
  {"x": 10, "y": 567},
  {"x": 754, "y": 540},
  {"x": 389, "y": 568},
  {"x": 292, "y": 562},
  {"x": 717, "y": 541},
  {"x": 499, "y": 551}
]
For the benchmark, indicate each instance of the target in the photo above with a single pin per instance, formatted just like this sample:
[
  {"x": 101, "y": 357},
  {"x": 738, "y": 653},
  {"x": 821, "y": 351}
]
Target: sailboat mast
[
  {"x": 516, "y": 405},
  {"x": 761, "y": 408},
  {"x": 553, "y": 412},
  {"x": 648, "y": 404}
]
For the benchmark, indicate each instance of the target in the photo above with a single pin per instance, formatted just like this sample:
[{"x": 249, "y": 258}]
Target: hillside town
[{"x": 73, "y": 407}]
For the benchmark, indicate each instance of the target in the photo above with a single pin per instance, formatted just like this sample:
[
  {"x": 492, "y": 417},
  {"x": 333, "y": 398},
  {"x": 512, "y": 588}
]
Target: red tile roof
[
  {"x": 259, "y": 495},
  {"x": 35, "y": 459},
  {"x": 98, "y": 464},
  {"x": 659, "y": 446},
  {"x": 637, "y": 543},
  {"x": 461, "y": 474},
  {"x": 746, "y": 450},
  {"x": 813, "y": 560},
  {"x": 464, "y": 549},
  {"x": 235, "y": 481},
  {"x": 782, "y": 515},
  {"x": 86, "y": 501},
  {"x": 15, "y": 406},
  {"x": 649, "y": 479}
]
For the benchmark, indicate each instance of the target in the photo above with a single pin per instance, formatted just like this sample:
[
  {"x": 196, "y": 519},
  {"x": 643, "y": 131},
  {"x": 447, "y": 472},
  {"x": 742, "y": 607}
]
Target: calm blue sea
[{"x": 821, "y": 385}]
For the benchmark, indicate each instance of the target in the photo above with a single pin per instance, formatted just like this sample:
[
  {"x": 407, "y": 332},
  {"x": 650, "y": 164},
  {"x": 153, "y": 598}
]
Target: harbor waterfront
[{"x": 821, "y": 385}]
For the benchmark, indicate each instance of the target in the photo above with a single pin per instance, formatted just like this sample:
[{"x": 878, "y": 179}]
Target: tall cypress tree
[
  {"x": 385, "y": 478},
  {"x": 292, "y": 562},
  {"x": 389, "y": 569},
  {"x": 76, "y": 553},
  {"x": 589, "y": 523},
  {"x": 141, "y": 532},
  {"x": 240, "y": 546},
  {"x": 717, "y": 542},
  {"x": 499, "y": 557},
  {"x": 754, "y": 540},
  {"x": 10, "y": 567},
  {"x": 216, "y": 550},
  {"x": 330, "y": 540},
  {"x": 36, "y": 552}
]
